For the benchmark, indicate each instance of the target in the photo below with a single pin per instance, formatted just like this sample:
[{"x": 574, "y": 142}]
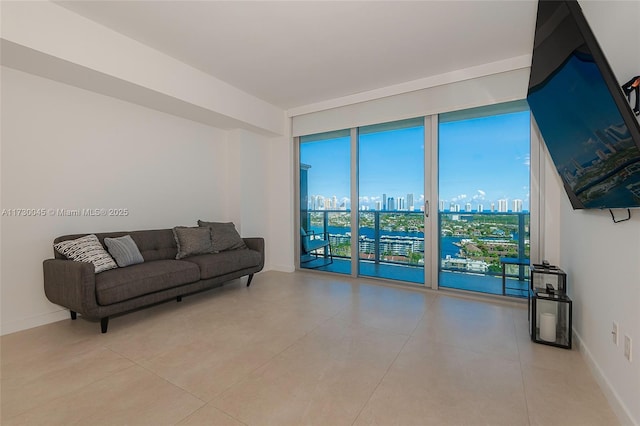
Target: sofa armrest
[
  {"x": 257, "y": 244},
  {"x": 72, "y": 285}
]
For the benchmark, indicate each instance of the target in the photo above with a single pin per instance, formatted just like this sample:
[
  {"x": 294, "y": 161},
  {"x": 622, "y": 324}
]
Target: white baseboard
[
  {"x": 281, "y": 268},
  {"x": 612, "y": 396},
  {"x": 35, "y": 321}
]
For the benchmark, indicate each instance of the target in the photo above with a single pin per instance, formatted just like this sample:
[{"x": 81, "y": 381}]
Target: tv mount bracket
[{"x": 633, "y": 85}]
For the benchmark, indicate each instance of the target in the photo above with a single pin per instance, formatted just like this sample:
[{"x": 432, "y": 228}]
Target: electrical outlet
[
  {"x": 614, "y": 333},
  {"x": 627, "y": 347}
]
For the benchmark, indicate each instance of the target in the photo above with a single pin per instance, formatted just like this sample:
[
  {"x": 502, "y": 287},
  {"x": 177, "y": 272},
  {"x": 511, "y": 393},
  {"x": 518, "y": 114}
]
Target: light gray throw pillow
[
  {"x": 224, "y": 235},
  {"x": 87, "y": 249},
  {"x": 124, "y": 250},
  {"x": 192, "y": 241}
]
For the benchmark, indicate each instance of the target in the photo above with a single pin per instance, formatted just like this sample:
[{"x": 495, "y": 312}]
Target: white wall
[
  {"x": 248, "y": 194},
  {"x": 281, "y": 205},
  {"x": 260, "y": 193},
  {"x": 602, "y": 259},
  {"x": 67, "y": 148},
  {"x": 43, "y": 38}
]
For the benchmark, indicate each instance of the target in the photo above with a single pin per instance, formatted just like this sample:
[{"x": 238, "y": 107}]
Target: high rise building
[
  {"x": 467, "y": 207},
  {"x": 602, "y": 136},
  {"x": 384, "y": 201},
  {"x": 502, "y": 206},
  {"x": 577, "y": 165},
  {"x": 517, "y": 206},
  {"x": 480, "y": 208},
  {"x": 391, "y": 204},
  {"x": 409, "y": 201},
  {"x": 401, "y": 204},
  {"x": 441, "y": 205},
  {"x": 334, "y": 202},
  {"x": 378, "y": 205},
  {"x": 493, "y": 207},
  {"x": 601, "y": 155}
]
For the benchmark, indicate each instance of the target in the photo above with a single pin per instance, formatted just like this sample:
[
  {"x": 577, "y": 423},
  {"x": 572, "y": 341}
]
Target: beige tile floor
[{"x": 295, "y": 349}]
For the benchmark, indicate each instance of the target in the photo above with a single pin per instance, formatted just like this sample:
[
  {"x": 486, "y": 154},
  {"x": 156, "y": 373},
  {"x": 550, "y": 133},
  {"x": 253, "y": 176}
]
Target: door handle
[{"x": 426, "y": 208}]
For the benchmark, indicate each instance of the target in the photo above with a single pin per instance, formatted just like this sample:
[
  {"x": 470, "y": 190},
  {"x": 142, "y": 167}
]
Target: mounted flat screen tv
[{"x": 584, "y": 118}]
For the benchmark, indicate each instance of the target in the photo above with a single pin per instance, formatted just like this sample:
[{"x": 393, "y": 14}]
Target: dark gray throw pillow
[
  {"x": 124, "y": 250},
  {"x": 224, "y": 235},
  {"x": 192, "y": 241}
]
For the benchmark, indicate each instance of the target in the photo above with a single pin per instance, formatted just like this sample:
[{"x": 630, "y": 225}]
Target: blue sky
[
  {"x": 485, "y": 159},
  {"x": 480, "y": 160}
]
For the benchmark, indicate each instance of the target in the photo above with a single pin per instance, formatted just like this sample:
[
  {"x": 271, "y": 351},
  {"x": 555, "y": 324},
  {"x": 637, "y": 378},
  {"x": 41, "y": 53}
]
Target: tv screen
[{"x": 585, "y": 120}]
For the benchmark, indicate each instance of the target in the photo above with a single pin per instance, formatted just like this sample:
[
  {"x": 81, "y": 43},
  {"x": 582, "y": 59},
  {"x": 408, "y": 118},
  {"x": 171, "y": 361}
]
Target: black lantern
[
  {"x": 548, "y": 277},
  {"x": 550, "y": 318}
]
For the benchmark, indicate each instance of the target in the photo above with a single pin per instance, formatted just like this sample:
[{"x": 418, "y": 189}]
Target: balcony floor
[{"x": 456, "y": 280}]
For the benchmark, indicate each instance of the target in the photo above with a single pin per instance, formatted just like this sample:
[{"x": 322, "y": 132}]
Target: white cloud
[{"x": 480, "y": 196}]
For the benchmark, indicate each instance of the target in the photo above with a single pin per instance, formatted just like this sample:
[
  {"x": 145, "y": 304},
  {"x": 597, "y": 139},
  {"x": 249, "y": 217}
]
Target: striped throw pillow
[{"x": 124, "y": 250}]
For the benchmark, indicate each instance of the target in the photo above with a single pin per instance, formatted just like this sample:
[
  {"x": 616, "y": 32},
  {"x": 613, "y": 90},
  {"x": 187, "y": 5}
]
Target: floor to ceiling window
[
  {"x": 484, "y": 169},
  {"x": 325, "y": 205},
  {"x": 391, "y": 201},
  {"x": 363, "y": 209}
]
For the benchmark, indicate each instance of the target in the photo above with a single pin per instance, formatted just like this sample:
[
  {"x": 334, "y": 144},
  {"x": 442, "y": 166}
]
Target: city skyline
[
  {"x": 319, "y": 202},
  {"x": 482, "y": 161}
]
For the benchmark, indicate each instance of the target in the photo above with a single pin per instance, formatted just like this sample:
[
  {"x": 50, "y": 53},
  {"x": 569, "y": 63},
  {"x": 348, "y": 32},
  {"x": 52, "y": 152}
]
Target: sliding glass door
[
  {"x": 325, "y": 205},
  {"x": 365, "y": 198},
  {"x": 484, "y": 162},
  {"x": 391, "y": 226}
]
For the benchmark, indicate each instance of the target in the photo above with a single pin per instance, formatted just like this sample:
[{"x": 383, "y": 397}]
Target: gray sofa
[{"x": 160, "y": 277}]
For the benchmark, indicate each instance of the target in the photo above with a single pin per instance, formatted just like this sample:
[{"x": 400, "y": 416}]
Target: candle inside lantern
[{"x": 548, "y": 327}]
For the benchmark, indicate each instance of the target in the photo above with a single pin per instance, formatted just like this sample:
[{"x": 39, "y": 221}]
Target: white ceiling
[{"x": 297, "y": 53}]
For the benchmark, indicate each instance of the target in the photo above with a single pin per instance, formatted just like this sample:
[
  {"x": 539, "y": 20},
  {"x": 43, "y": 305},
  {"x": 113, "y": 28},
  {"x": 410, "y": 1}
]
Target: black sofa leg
[
  {"x": 179, "y": 299},
  {"x": 249, "y": 280},
  {"x": 74, "y": 315},
  {"x": 104, "y": 323}
]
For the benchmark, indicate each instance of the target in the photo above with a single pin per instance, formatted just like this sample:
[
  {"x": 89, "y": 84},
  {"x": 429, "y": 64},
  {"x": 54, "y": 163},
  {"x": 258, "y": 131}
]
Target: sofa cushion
[
  {"x": 224, "y": 235},
  {"x": 124, "y": 250},
  {"x": 226, "y": 262},
  {"x": 192, "y": 241},
  {"x": 121, "y": 284},
  {"x": 87, "y": 249},
  {"x": 157, "y": 244}
]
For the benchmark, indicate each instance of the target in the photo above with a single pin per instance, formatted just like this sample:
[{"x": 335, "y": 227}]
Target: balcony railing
[{"x": 470, "y": 242}]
